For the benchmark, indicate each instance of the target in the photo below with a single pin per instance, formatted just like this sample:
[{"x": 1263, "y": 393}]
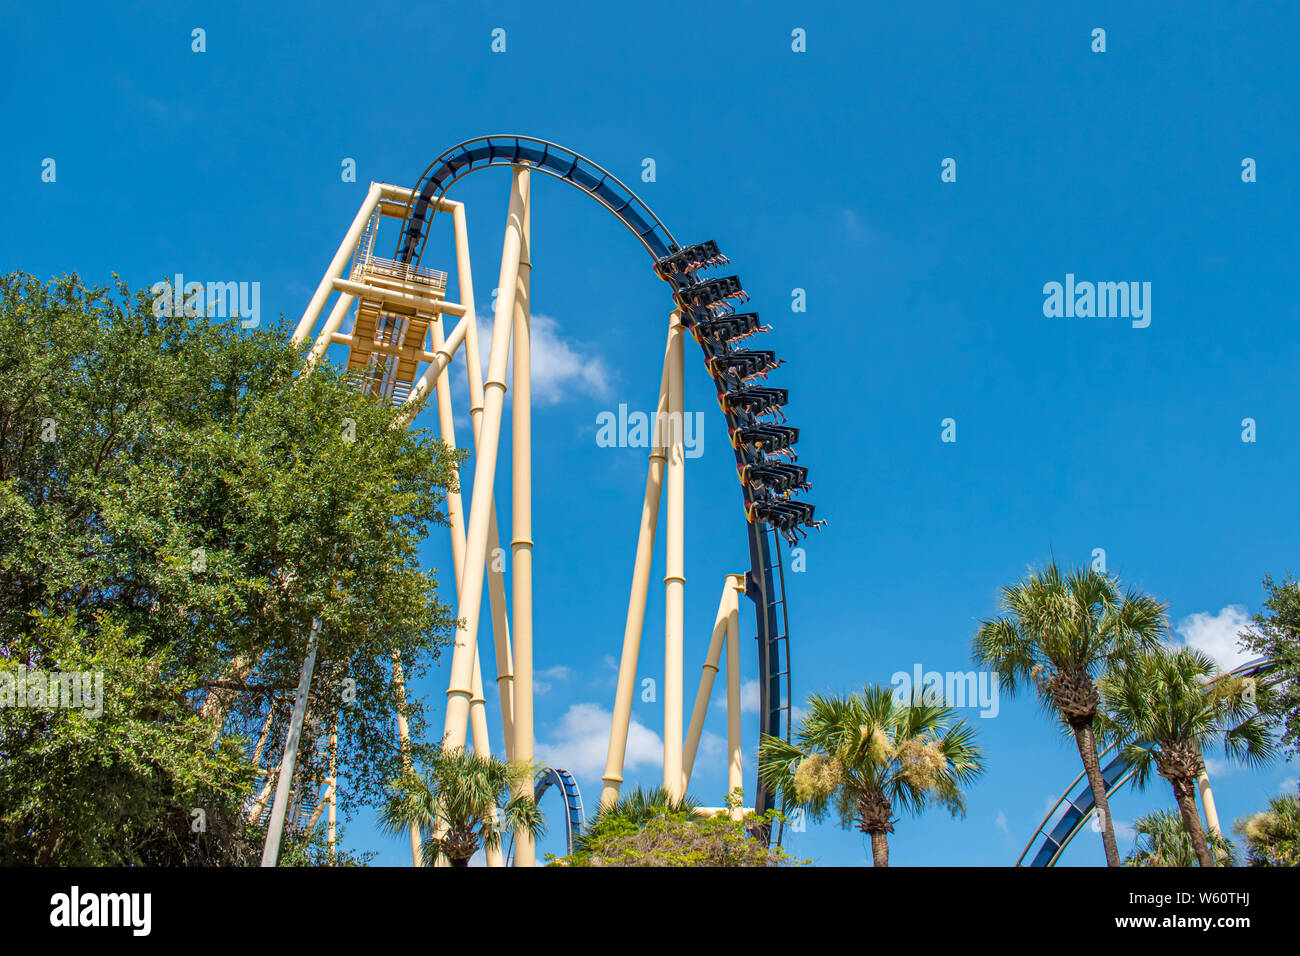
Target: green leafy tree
[
  {"x": 136, "y": 784},
  {"x": 311, "y": 848},
  {"x": 1062, "y": 632},
  {"x": 869, "y": 756},
  {"x": 177, "y": 503},
  {"x": 1276, "y": 635},
  {"x": 1272, "y": 836},
  {"x": 1180, "y": 702},
  {"x": 461, "y": 803},
  {"x": 1162, "y": 840}
]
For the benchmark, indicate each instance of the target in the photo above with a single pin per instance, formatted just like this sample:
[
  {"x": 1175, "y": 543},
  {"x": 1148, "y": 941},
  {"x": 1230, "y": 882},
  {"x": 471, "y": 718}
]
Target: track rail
[
  {"x": 574, "y": 817},
  {"x": 543, "y": 156},
  {"x": 764, "y": 449},
  {"x": 1115, "y": 774}
]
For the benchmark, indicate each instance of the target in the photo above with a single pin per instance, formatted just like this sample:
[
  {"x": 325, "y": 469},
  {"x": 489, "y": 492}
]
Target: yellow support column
[
  {"x": 404, "y": 743},
  {"x": 459, "y": 690},
  {"x": 521, "y": 545},
  {"x": 674, "y": 567},
  {"x": 735, "y": 779},
  {"x": 456, "y": 521},
  {"x": 496, "y": 582}
]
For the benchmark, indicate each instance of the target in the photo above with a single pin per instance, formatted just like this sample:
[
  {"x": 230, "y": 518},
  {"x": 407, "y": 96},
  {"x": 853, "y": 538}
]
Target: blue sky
[{"x": 816, "y": 170}]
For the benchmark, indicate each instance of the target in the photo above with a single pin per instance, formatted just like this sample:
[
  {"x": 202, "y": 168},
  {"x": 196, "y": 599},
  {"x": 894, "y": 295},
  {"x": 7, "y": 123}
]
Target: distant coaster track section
[
  {"x": 766, "y": 462},
  {"x": 574, "y": 816}
]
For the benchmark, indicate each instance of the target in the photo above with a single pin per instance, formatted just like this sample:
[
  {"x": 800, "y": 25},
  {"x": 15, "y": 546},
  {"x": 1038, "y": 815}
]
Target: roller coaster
[
  {"x": 398, "y": 351},
  {"x": 397, "y": 328}
]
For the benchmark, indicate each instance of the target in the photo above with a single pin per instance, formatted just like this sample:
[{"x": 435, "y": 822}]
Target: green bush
[{"x": 678, "y": 838}]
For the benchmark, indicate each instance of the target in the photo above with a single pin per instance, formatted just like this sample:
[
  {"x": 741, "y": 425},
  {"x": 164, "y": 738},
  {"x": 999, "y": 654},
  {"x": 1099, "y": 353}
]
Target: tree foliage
[
  {"x": 631, "y": 812},
  {"x": 870, "y": 755},
  {"x": 651, "y": 828},
  {"x": 1168, "y": 706},
  {"x": 461, "y": 802},
  {"x": 177, "y": 504},
  {"x": 1162, "y": 840},
  {"x": 1061, "y": 632},
  {"x": 1272, "y": 836},
  {"x": 1277, "y": 636}
]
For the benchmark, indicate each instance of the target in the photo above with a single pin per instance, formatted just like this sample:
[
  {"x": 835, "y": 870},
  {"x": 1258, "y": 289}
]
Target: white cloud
[
  {"x": 712, "y": 752},
  {"x": 1216, "y": 634},
  {"x": 543, "y": 681},
  {"x": 580, "y": 743},
  {"x": 581, "y": 740},
  {"x": 1124, "y": 829},
  {"x": 560, "y": 369},
  {"x": 1216, "y": 767},
  {"x": 748, "y": 697},
  {"x": 1001, "y": 821}
]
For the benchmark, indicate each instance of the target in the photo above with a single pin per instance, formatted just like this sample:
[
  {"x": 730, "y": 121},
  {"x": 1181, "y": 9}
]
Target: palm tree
[
  {"x": 1162, "y": 840},
  {"x": 1062, "y": 632},
  {"x": 1179, "y": 702},
  {"x": 871, "y": 755},
  {"x": 456, "y": 803},
  {"x": 1272, "y": 836}
]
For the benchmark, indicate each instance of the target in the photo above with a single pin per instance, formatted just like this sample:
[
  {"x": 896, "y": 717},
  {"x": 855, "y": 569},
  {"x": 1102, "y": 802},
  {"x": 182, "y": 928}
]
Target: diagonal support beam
[
  {"x": 346, "y": 247},
  {"x": 612, "y": 780},
  {"x": 336, "y": 316},
  {"x": 711, "y": 665}
]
